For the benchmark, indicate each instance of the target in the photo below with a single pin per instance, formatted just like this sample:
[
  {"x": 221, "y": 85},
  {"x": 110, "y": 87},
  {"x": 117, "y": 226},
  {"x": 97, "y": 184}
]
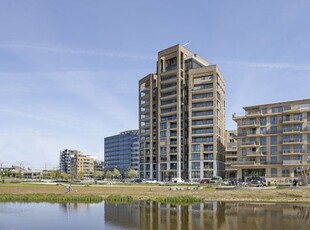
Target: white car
[
  {"x": 177, "y": 180},
  {"x": 150, "y": 181}
]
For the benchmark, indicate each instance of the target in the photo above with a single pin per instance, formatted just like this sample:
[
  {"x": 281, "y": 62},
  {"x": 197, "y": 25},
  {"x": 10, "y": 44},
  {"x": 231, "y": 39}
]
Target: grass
[
  {"x": 119, "y": 199},
  {"x": 122, "y": 193},
  {"x": 52, "y": 198},
  {"x": 179, "y": 199}
]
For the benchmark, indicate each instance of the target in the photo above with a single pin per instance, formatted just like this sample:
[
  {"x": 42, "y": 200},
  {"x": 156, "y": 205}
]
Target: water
[{"x": 152, "y": 215}]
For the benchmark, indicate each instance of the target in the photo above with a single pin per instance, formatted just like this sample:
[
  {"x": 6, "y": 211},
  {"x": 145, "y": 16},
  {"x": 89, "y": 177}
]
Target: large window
[
  {"x": 202, "y": 113},
  {"x": 273, "y": 129},
  {"x": 274, "y": 172},
  {"x": 202, "y": 104},
  {"x": 274, "y": 150},
  {"x": 262, "y": 121},
  {"x": 199, "y": 131},
  {"x": 202, "y": 122},
  {"x": 274, "y": 160},
  {"x": 208, "y": 148},
  {"x": 263, "y": 141},
  {"x": 195, "y": 156},
  {"x": 202, "y": 95},
  {"x": 195, "y": 174},
  {"x": 273, "y": 140},
  {"x": 202, "y": 139},
  {"x": 196, "y": 148},
  {"x": 274, "y": 120},
  {"x": 203, "y": 86},
  {"x": 277, "y": 109},
  {"x": 195, "y": 165}
]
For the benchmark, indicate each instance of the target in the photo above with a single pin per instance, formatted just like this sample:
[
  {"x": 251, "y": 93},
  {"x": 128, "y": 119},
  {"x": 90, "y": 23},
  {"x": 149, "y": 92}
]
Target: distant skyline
[{"x": 69, "y": 70}]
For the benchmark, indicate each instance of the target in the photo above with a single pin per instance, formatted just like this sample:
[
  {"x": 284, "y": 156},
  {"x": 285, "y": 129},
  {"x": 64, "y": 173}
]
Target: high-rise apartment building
[
  {"x": 231, "y": 154},
  {"x": 121, "y": 151},
  {"x": 66, "y": 160},
  {"x": 273, "y": 140},
  {"x": 182, "y": 118}
]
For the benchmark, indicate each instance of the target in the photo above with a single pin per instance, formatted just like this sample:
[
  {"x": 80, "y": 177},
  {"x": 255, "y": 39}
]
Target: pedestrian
[
  {"x": 294, "y": 182},
  {"x": 68, "y": 189}
]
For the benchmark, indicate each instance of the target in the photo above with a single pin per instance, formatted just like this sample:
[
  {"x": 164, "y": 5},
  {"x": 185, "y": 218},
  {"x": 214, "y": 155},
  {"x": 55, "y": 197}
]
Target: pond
[{"x": 152, "y": 215}]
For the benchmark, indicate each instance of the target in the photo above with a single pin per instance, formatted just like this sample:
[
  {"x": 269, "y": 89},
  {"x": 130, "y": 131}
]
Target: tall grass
[
  {"x": 179, "y": 200},
  {"x": 53, "y": 198},
  {"x": 119, "y": 199}
]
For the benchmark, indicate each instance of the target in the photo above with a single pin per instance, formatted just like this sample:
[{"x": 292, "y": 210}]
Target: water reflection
[
  {"x": 212, "y": 215},
  {"x": 152, "y": 215}
]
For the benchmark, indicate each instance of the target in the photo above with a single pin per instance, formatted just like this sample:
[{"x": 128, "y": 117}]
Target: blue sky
[{"x": 69, "y": 70}]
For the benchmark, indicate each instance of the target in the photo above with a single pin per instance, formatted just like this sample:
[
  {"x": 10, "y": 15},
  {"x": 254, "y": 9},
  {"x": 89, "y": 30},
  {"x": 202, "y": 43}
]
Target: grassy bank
[{"x": 115, "y": 193}]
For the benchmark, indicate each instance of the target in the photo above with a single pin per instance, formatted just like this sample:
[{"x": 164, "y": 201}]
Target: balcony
[
  {"x": 253, "y": 114},
  {"x": 297, "y": 121},
  {"x": 292, "y": 162},
  {"x": 256, "y": 154},
  {"x": 292, "y": 142},
  {"x": 249, "y": 125},
  {"x": 249, "y": 144}
]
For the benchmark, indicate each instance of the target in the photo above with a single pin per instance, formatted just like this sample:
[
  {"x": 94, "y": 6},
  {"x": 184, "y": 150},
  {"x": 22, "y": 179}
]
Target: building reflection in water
[{"x": 210, "y": 215}]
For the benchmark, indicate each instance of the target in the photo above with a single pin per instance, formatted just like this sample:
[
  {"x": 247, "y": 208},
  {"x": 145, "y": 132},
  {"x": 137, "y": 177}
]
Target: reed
[
  {"x": 52, "y": 198},
  {"x": 119, "y": 199},
  {"x": 179, "y": 199}
]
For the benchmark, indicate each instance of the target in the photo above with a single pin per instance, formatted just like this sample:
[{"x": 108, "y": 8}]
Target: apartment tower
[
  {"x": 273, "y": 140},
  {"x": 182, "y": 118}
]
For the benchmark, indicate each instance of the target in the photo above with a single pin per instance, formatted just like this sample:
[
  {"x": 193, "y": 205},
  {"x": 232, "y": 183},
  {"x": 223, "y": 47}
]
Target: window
[
  {"x": 263, "y": 140},
  {"x": 163, "y": 150},
  {"x": 199, "y": 131},
  {"x": 273, "y": 140},
  {"x": 274, "y": 120},
  {"x": 298, "y": 127},
  {"x": 202, "y": 139},
  {"x": 298, "y": 137},
  {"x": 298, "y": 117},
  {"x": 196, "y": 174},
  {"x": 263, "y": 150},
  {"x": 252, "y": 121},
  {"x": 285, "y": 172},
  {"x": 243, "y": 122},
  {"x": 202, "y": 95},
  {"x": 263, "y": 130},
  {"x": 286, "y": 138},
  {"x": 202, "y": 113},
  {"x": 274, "y": 160},
  {"x": 196, "y": 148},
  {"x": 163, "y": 134},
  {"x": 277, "y": 109},
  {"x": 202, "y": 122},
  {"x": 264, "y": 110},
  {"x": 208, "y": 148},
  {"x": 195, "y": 165},
  {"x": 308, "y": 116},
  {"x": 273, "y": 129},
  {"x": 286, "y": 149},
  {"x": 285, "y": 128},
  {"x": 274, "y": 172},
  {"x": 262, "y": 121},
  {"x": 243, "y": 131},
  {"x": 286, "y": 117},
  {"x": 202, "y": 104},
  {"x": 163, "y": 125},
  {"x": 195, "y": 156},
  {"x": 243, "y": 152},
  {"x": 298, "y": 149},
  {"x": 274, "y": 150}
]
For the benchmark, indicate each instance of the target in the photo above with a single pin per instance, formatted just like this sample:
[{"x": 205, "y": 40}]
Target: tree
[
  {"x": 65, "y": 176},
  {"x": 80, "y": 175},
  {"x": 108, "y": 174},
  {"x": 53, "y": 174},
  {"x": 132, "y": 173},
  {"x": 116, "y": 173},
  {"x": 98, "y": 174}
]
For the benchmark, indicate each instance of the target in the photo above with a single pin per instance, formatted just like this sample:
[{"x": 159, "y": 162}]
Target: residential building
[
  {"x": 273, "y": 140},
  {"x": 120, "y": 151},
  {"x": 231, "y": 154},
  {"x": 182, "y": 118},
  {"x": 74, "y": 162}
]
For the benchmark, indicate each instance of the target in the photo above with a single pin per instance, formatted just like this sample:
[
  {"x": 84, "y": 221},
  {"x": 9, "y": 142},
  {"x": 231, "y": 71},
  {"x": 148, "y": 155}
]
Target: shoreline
[{"x": 88, "y": 193}]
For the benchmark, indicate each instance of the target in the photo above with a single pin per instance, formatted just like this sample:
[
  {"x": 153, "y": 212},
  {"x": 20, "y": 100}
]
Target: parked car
[
  {"x": 226, "y": 182},
  {"x": 205, "y": 181},
  {"x": 216, "y": 179},
  {"x": 257, "y": 182},
  {"x": 177, "y": 180},
  {"x": 151, "y": 181},
  {"x": 136, "y": 181}
]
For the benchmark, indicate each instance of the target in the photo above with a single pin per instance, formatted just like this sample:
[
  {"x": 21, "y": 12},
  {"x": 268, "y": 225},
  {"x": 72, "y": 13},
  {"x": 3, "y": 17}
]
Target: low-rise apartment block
[{"x": 273, "y": 140}]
